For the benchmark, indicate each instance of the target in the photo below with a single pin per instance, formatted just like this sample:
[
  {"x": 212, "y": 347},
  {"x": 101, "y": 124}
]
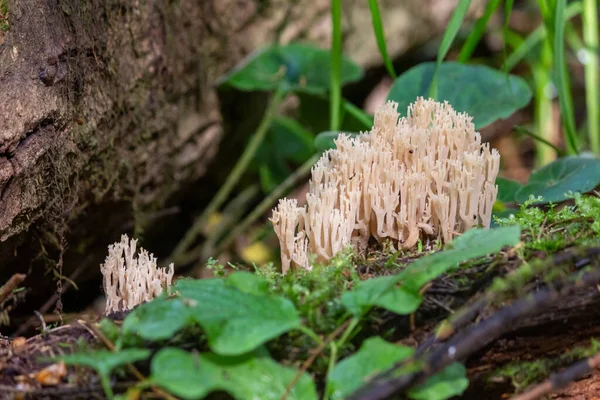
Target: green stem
[
  {"x": 340, "y": 343},
  {"x": 332, "y": 361},
  {"x": 310, "y": 333},
  {"x": 336, "y": 65},
  {"x": 268, "y": 201},
  {"x": 592, "y": 68},
  {"x": 105, "y": 382},
  {"x": 380, "y": 37},
  {"x": 233, "y": 178}
]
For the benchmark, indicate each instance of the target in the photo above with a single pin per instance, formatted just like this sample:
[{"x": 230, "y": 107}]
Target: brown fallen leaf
[{"x": 52, "y": 374}]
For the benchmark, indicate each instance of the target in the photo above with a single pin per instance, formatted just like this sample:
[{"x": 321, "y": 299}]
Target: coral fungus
[{"x": 423, "y": 176}]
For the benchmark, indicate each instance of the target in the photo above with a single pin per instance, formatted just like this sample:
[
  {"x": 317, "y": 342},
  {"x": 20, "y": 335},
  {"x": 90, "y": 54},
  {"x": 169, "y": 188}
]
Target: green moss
[
  {"x": 4, "y": 25},
  {"x": 526, "y": 373}
]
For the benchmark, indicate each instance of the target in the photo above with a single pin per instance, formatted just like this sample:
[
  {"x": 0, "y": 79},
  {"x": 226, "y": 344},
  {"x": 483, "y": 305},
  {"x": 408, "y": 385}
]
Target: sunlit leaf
[
  {"x": 236, "y": 314},
  {"x": 159, "y": 319},
  {"x": 248, "y": 377},
  {"x": 375, "y": 355}
]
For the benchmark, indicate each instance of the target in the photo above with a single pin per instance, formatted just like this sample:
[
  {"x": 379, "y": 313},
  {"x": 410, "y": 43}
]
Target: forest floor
[{"x": 532, "y": 336}]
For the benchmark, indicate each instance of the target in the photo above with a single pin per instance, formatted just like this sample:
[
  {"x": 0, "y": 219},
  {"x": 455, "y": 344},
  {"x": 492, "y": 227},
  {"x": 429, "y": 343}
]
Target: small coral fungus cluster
[
  {"x": 423, "y": 176},
  {"x": 130, "y": 281}
]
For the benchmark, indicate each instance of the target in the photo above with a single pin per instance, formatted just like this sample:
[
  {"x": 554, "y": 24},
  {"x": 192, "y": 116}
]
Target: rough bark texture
[{"x": 113, "y": 102}]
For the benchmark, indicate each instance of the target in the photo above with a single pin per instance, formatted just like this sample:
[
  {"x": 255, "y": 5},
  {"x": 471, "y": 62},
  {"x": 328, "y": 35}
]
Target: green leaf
[
  {"x": 104, "y": 362},
  {"x": 295, "y": 67},
  {"x": 507, "y": 189},
  {"x": 451, "y": 381},
  {"x": 250, "y": 376},
  {"x": 236, "y": 314},
  {"x": 384, "y": 291},
  {"x": 324, "y": 140},
  {"x": 552, "y": 182},
  {"x": 468, "y": 88},
  {"x": 158, "y": 319},
  {"x": 375, "y": 355}
]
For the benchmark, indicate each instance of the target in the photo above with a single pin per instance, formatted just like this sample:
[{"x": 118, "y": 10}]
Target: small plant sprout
[
  {"x": 424, "y": 176},
  {"x": 130, "y": 281}
]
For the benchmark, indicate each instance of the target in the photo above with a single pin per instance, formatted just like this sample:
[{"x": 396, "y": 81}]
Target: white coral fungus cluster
[
  {"x": 129, "y": 281},
  {"x": 423, "y": 176}
]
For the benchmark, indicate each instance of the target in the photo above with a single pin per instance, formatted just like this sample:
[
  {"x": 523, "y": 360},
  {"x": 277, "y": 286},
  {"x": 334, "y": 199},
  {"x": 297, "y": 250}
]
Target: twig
[
  {"x": 134, "y": 371},
  {"x": 306, "y": 364},
  {"x": 473, "y": 339},
  {"x": 52, "y": 300},
  {"x": 561, "y": 379},
  {"x": 11, "y": 284}
]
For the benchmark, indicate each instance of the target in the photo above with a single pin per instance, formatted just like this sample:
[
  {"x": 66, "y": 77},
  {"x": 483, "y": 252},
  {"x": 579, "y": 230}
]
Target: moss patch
[{"x": 4, "y": 25}]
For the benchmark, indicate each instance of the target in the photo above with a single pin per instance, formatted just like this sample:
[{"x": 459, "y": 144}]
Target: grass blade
[
  {"x": 592, "y": 71},
  {"x": 477, "y": 32},
  {"x": 507, "y": 12},
  {"x": 336, "y": 64},
  {"x": 454, "y": 25},
  {"x": 562, "y": 79},
  {"x": 380, "y": 36}
]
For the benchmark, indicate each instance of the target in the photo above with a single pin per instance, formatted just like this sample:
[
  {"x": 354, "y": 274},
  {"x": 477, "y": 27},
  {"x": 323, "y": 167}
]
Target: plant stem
[
  {"x": 233, "y": 178},
  {"x": 332, "y": 360},
  {"x": 353, "y": 323},
  {"x": 336, "y": 65},
  {"x": 310, "y": 333},
  {"x": 478, "y": 30},
  {"x": 592, "y": 67},
  {"x": 268, "y": 201}
]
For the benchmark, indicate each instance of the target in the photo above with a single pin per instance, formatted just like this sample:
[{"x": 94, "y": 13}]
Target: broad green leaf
[
  {"x": 374, "y": 356},
  {"x": 104, "y": 362},
  {"x": 451, "y": 381},
  {"x": 251, "y": 376},
  {"x": 235, "y": 313},
  {"x": 555, "y": 180},
  {"x": 296, "y": 67},
  {"x": 381, "y": 292},
  {"x": 324, "y": 140},
  {"x": 507, "y": 189},
  {"x": 158, "y": 319},
  {"x": 400, "y": 293},
  {"x": 482, "y": 92}
]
